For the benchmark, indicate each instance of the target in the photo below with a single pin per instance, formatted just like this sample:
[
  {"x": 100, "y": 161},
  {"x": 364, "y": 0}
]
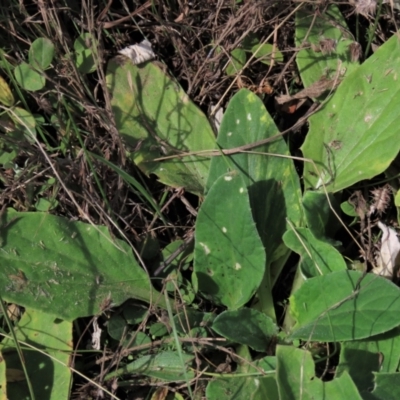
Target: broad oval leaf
[
  {"x": 344, "y": 305},
  {"x": 41, "y": 53},
  {"x": 238, "y": 387},
  {"x": 354, "y": 136},
  {"x": 322, "y": 55},
  {"x": 229, "y": 258},
  {"x": 67, "y": 269},
  {"x": 156, "y": 118},
  {"x": 246, "y": 326},
  {"x": 270, "y": 177},
  {"x": 270, "y": 180},
  {"x": 28, "y": 78}
]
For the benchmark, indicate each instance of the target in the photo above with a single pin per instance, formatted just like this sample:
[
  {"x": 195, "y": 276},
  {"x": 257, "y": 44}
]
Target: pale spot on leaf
[
  {"x": 368, "y": 118},
  {"x": 229, "y": 134},
  {"x": 205, "y": 247},
  {"x": 249, "y": 117},
  {"x": 238, "y": 266},
  {"x": 228, "y": 178},
  {"x": 241, "y": 190},
  {"x": 185, "y": 98},
  {"x": 238, "y": 121},
  {"x": 224, "y": 229}
]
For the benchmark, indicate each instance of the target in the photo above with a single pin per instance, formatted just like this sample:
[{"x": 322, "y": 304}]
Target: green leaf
[
  {"x": 397, "y": 199},
  {"x": 139, "y": 340},
  {"x": 45, "y": 205},
  {"x": 352, "y": 137},
  {"x": 156, "y": 118},
  {"x": 252, "y": 328},
  {"x": 158, "y": 329},
  {"x": 134, "y": 314},
  {"x": 84, "y": 46},
  {"x": 362, "y": 358},
  {"x": 85, "y": 61},
  {"x": 295, "y": 375},
  {"x": 136, "y": 340},
  {"x": 388, "y": 344},
  {"x": 255, "y": 386},
  {"x": 348, "y": 209},
  {"x": 386, "y": 386},
  {"x": 250, "y": 41},
  {"x": 6, "y": 158},
  {"x": 314, "y": 60},
  {"x": 191, "y": 319},
  {"x": 229, "y": 258},
  {"x": 267, "y": 53},
  {"x": 331, "y": 308},
  {"x": 359, "y": 360},
  {"x": 270, "y": 180},
  {"x": 84, "y": 42},
  {"x": 68, "y": 269},
  {"x": 239, "y": 387},
  {"x": 317, "y": 257},
  {"x": 41, "y": 53},
  {"x": 266, "y": 364},
  {"x": 54, "y": 338},
  {"x": 164, "y": 365},
  {"x": 321, "y": 220},
  {"x": 237, "y": 61},
  {"x": 116, "y": 327},
  {"x": 28, "y": 78}
]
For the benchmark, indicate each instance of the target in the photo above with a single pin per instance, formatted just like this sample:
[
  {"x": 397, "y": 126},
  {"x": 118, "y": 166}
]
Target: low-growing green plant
[
  {"x": 30, "y": 75},
  {"x": 255, "y": 211}
]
